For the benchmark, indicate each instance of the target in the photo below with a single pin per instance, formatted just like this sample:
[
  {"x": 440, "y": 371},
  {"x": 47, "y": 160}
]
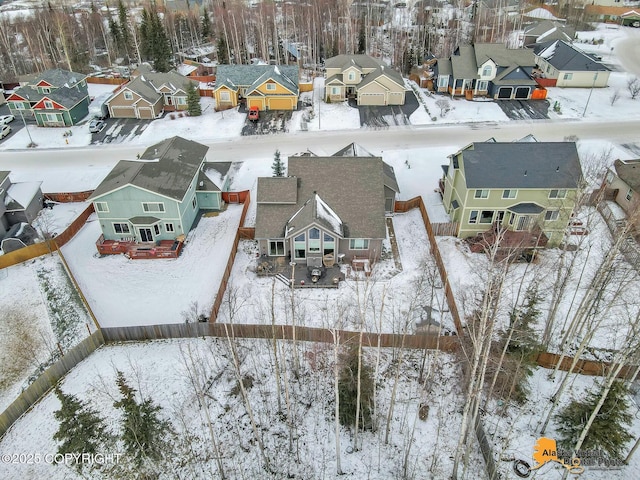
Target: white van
[{"x": 4, "y": 130}]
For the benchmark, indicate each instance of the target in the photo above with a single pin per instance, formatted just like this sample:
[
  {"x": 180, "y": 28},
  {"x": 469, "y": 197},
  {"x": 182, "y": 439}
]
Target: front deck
[{"x": 135, "y": 251}]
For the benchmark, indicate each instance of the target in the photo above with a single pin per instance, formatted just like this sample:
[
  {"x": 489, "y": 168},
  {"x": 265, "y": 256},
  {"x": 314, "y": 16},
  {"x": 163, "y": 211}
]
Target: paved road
[{"x": 326, "y": 142}]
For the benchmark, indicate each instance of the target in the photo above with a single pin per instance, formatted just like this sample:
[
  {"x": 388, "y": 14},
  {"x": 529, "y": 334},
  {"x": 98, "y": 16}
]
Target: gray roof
[
  {"x": 67, "y": 97},
  {"x": 503, "y": 56},
  {"x": 147, "y": 84},
  {"x": 166, "y": 168},
  {"x": 316, "y": 210},
  {"x": 526, "y": 207},
  {"x": 538, "y": 165},
  {"x": 464, "y": 64},
  {"x": 276, "y": 74},
  {"x": 380, "y": 71},
  {"x": 550, "y": 29},
  {"x": 142, "y": 220},
  {"x": 564, "y": 57},
  {"x": 277, "y": 190},
  {"x": 628, "y": 171},
  {"x": 514, "y": 75},
  {"x": 353, "y": 150},
  {"x": 59, "y": 78},
  {"x": 234, "y": 76},
  {"x": 444, "y": 67},
  {"x": 205, "y": 184},
  {"x": 3, "y": 175},
  {"x": 352, "y": 187},
  {"x": 358, "y": 60}
]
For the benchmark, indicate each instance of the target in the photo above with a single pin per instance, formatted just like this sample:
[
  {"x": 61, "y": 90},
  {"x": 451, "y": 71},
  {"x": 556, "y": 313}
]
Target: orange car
[{"x": 254, "y": 114}]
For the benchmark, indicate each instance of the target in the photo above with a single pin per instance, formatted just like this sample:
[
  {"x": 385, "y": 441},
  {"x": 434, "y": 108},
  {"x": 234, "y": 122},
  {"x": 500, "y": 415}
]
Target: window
[
  {"x": 156, "y": 228},
  {"x": 276, "y": 248},
  {"x": 180, "y": 100},
  {"x": 551, "y": 215},
  {"x": 486, "y": 71},
  {"x": 271, "y": 87},
  {"x": 194, "y": 203},
  {"x": 352, "y": 76},
  {"x": 328, "y": 244},
  {"x": 486, "y": 216},
  {"x": 121, "y": 228},
  {"x": 19, "y": 106},
  {"x": 168, "y": 227},
  {"x": 225, "y": 96},
  {"x": 46, "y": 90},
  {"x": 48, "y": 105},
  {"x": 629, "y": 195},
  {"x": 481, "y": 194},
  {"x": 153, "y": 207},
  {"x": 53, "y": 117},
  {"x": 509, "y": 193},
  {"x": 128, "y": 95},
  {"x": 359, "y": 244},
  {"x": 455, "y": 162},
  {"x": 482, "y": 85},
  {"x": 314, "y": 240},
  {"x": 443, "y": 81},
  {"x": 101, "y": 207},
  {"x": 558, "y": 193},
  {"x": 335, "y": 90},
  {"x": 568, "y": 76},
  {"x": 473, "y": 216},
  {"x": 300, "y": 246}
]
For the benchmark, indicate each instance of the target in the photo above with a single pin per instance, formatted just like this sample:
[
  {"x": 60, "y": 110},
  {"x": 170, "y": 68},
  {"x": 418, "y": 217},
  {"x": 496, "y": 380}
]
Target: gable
[
  {"x": 44, "y": 84},
  {"x": 14, "y": 97},
  {"x": 279, "y": 88},
  {"x": 41, "y": 105}
]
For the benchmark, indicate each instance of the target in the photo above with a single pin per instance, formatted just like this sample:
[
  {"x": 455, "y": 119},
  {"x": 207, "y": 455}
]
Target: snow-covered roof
[{"x": 20, "y": 195}]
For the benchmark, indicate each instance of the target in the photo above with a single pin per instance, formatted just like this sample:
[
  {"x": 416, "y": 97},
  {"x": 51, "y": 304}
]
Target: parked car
[
  {"x": 635, "y": 24},
  {"x": 254, "y": 114},
  {"x": 5, "y": 130},
  {"x": 96, "y": 126},
  {"x": 4, "y": 119}
]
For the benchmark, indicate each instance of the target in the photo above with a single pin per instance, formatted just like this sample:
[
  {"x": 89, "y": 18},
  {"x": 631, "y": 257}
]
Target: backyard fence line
[
  {"x": 68, "y": 197},
  {"x": 48, "y": 379}
]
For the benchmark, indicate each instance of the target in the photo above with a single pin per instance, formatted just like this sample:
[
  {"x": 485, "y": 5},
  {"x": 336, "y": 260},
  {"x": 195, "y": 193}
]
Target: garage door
[
  {"x": 522, "y": 93},
  {"x": 371, "y": 99},
  {"x": 280, "y": 104},
  {"x": 255, "y": 102},
  {"x": 123, "y": 112},
  {"x": 145, "y": 113},
  {"x": 396, "y": 98},
  {"x": 505, "y": 92}
]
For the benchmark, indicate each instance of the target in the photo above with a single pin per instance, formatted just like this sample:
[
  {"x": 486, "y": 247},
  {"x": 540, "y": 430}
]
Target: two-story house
[
  {"x": 158, "y": 196},
  {"x": 569, "y": 66},
  {"x": 622, "y": 183},
  {"x": 364, "y": 78},
  {"x": 55, "y": 98},
  {"x": 523, "y": 187},
  {"x": 315, "y": 218},
  {"x": 20, "y": 203},
  {"x": 268, "y": 87}
]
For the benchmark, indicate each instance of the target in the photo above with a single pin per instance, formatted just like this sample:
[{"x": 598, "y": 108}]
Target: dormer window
[
  {"x": 486, "y": 71},
  {"x": 352, "y": 76},
  {"x": 48, "y": 105},
  {"x": 46, "y": 90}
]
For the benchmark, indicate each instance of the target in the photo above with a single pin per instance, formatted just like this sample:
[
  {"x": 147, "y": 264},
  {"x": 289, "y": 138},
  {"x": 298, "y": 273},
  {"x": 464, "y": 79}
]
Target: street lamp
[
  {"x": 31, "y": 144},
  {"x": 595, "y": 77}
]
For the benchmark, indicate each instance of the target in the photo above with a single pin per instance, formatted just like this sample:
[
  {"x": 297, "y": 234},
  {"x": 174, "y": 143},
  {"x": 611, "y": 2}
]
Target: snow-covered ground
[{"x": 123, "y": 292}]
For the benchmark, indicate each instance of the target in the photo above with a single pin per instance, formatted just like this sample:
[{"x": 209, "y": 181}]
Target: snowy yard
[
  {"x": 124, "y": 292},
  {"x": 299, "y": 440}
]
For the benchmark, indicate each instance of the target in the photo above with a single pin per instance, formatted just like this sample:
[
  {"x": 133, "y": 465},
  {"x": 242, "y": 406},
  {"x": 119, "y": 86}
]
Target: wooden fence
[
  {"x": 107, "y": 81},
  {"x": 449, "y": 229},
  {"x": 583, "y": 367},
  {"x": 247, "y": 233},
  {"x": 47, "y": 380},
  {"x": 39, "y": 249},
  {"x": 68, "y": 197}
]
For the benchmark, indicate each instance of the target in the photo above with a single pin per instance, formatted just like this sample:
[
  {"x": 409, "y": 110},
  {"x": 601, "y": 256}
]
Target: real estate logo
[{"x": 545, "y": 451}]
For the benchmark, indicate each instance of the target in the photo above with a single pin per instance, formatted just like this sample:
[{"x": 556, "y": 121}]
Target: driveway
[
  {"x": 525, "y": 109},
  {"x": 271, "y": 121},
  {"x": 118, "y": 130},
  {"x": 385, "y": 116}
]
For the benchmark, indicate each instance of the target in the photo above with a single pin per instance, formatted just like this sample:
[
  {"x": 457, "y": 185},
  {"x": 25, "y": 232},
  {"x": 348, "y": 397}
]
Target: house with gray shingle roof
[
  {"x": 570, "y": 66},
  {"x": 364, "y": 78},
  {"x": 159, "y": 195},
  {"x": 150, "y": 94},
  {"x": 622, "y": 184},
  {"x": 547, "y": 31},
  {"x": 55, "y": 98},
  {"x": 487, "y": 69},
  {"x": 523, "y": 187},
  {"x": 313, "y": 215},
  {"x": 267, "y": 87},
  {"x": 20, "y": 202}
]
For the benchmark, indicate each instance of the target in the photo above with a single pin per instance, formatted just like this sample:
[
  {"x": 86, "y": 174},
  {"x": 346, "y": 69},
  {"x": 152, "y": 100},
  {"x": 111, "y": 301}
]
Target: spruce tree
[
  {"x": 609, "y": 430},
  {"x": 81, "y": 429},
  {"x": 362, "y": 37},
  {"x": 277, "y": 167},
  {"x": 223, "y": 52},
  {"x": 193, "y": 101},
  {"x": 160, "y": 47},
  {"x": 348, "y": 390},
  {"x": 144, "y": 433},
  {"x": 205, "y": 27},
  {"x": 125, "y": 32}
]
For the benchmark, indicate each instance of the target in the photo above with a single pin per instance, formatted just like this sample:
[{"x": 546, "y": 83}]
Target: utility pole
[{"x": 595, "y": 77}]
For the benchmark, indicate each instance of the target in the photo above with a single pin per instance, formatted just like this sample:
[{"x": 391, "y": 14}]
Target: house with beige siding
[
  {"x": 622, "y": 184},
  {"x": 569, "y": 66},
  {"x": 149, "y": 95},
  {"x": 268, "y": 87},
  {"x": 364, "y": 78},
  {"x": 527, "y": 189}
]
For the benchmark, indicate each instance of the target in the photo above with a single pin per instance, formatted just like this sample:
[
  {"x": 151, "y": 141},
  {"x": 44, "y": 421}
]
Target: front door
[{"x": 145, "y": 234}]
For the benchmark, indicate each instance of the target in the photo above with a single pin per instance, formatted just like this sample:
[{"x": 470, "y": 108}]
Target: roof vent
[
  {"x": 525, "y": 173},
  {"x": 201, "y": 183},
  {"x": 557, "y": 168}
]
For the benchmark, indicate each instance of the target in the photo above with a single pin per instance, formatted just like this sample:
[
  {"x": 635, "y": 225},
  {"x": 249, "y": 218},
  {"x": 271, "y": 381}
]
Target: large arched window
[
  {"x": 486, "y": 71},
  {"x": 314, "y": 240}
]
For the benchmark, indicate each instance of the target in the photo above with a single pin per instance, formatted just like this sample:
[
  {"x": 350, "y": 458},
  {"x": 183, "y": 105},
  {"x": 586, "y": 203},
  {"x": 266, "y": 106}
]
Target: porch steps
[{"x": 283, "y": 279}]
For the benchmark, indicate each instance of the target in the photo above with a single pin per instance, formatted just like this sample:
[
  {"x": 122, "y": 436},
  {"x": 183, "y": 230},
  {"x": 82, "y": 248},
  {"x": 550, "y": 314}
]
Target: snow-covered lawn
[
  {"x": 125, "y": 292},
  {"x": 39, "y": 310},
  {"x": 56, "y": 219},
  {"x": 304, "y": 448}
]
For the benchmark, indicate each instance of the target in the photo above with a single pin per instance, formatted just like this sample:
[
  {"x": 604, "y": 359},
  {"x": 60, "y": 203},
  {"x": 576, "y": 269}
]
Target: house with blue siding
[{"x": 160, "y": 195}]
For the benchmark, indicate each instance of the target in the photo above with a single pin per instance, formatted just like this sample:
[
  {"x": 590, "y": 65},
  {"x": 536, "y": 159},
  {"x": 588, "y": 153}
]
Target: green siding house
[
  {"x": 157, "y": 197},
  {"x": 55, "y": 98},
  {"x": 527, "y": 188}
]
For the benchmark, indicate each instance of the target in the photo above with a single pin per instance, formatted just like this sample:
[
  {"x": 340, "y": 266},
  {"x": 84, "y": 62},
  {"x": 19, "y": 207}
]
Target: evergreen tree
[
  {"x": 223, "y": 52},
  {"x": 193, "y": 101},
  {"x": 81, "y": 429},
  {"x": 125, "y": 32},
  {"x": 609, "y": 430},
  {"x": 348, "y": 389},
  {"x": 277, "y": 167},
  {"x": 205, "y": 27},
  {"x": 144, "y": 433},
  {"x": 146, "y": 44},
  {"x": 160, "y": 47},
  {"x": 362, "y": 37}
]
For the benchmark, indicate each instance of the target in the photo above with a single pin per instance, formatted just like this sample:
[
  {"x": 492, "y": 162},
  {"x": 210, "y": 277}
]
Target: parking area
[
  {"x": 118, "y": 129},
  {"x": 374, "y": 116},
  {"x": 525, "y": 109},
  {"x": 269, "y": 121},
  {"x": 17, "y": 124}
]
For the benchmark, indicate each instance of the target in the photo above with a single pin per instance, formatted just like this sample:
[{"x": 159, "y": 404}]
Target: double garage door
[
  {"x": 131, "y": 112},
  {"x": 371, "y": 99},
  {"x": 285, "y": 103},
  {"x": 521, "y": 93}
]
